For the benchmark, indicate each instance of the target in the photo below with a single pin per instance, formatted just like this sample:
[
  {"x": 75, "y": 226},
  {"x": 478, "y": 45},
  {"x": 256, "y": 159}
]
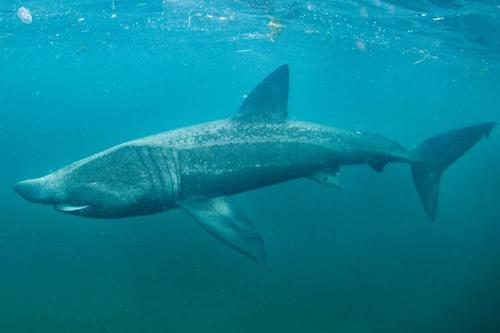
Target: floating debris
[
  {"x": 25, "y": 15},
  {"x": 424, "y": 53},
  {"x": 310, "y": 31},
  {"x": 275, "y": 26}
]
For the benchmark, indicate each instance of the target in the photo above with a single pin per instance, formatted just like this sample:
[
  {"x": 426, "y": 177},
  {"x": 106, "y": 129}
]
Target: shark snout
[{"x": 33, "y": 190}]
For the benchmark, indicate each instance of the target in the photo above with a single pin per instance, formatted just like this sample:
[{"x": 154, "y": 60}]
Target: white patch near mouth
[{"x": 70, "y": 207}]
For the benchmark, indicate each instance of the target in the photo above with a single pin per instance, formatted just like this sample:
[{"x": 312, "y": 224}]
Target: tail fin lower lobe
[{"x": 438, "y": 153}]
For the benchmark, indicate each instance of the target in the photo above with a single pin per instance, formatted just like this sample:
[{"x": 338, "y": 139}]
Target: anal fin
[
  {"x": 378, "y": 165},
  {"x": 222, "y": 218}
]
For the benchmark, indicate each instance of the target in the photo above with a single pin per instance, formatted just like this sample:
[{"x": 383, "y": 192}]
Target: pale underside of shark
[{"x": 198, "y": 168}]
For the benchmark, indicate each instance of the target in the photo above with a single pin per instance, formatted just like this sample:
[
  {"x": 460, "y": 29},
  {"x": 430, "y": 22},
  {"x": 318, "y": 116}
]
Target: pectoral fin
[
  {"x": 328, "y": 177},
  {"x": 222, "y": 217}
]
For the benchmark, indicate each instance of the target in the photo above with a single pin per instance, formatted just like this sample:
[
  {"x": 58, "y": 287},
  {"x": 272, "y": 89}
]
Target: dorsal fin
[{"x": 268, "y": 101}]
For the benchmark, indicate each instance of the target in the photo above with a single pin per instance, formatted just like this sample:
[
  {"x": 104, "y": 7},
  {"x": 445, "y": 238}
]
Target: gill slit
[
  {"x": 146, "y": 168},
  {"x": 156, "y": 166}
]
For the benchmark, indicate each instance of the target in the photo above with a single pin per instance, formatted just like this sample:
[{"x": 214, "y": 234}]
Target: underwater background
[{"x": 77, "y": 77}]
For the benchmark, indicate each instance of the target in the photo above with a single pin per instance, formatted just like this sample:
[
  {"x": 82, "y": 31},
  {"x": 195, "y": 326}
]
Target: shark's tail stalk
[{"x": 438, "y": 153}]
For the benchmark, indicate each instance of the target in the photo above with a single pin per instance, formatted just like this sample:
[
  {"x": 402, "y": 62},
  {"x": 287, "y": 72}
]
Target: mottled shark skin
[{"x": 197, "y": 168}]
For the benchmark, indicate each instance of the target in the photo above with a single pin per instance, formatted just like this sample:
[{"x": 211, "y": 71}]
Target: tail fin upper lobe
[{"x": 438, "y": 153}]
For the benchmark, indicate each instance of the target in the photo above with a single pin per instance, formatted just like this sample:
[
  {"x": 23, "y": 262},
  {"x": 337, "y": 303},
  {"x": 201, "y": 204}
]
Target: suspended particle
[
  {"x": 360, "y": 45},
  {"x": 113, "y": 9},
  {"x": 24, "y": 15},
  {"x": 363, "y": 12}
]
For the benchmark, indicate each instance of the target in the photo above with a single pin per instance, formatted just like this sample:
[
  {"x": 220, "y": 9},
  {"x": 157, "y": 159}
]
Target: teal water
[{"x": 86, "y": 75}]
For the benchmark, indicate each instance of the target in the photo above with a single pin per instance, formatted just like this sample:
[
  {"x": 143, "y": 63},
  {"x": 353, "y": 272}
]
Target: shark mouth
[{"x": 70, "y": 207}]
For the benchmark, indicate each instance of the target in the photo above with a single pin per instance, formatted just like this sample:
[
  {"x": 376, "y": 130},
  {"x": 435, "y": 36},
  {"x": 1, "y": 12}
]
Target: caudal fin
[{"x": 438, "y": 153}]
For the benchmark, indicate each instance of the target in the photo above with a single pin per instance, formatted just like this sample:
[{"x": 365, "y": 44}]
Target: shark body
[{"x": 197, "y": 168}]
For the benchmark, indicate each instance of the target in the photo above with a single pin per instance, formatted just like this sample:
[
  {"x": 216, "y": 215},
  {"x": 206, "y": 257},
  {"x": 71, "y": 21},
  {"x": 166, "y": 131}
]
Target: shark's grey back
[{"x": 227, "y": 157}]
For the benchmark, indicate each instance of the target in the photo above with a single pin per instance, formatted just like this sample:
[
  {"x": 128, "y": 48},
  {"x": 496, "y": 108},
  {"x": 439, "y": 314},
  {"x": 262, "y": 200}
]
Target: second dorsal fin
[{"x": 268, "y": 101}]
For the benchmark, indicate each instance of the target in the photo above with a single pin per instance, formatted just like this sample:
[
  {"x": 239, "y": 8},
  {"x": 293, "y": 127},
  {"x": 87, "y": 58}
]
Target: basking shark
[{"x": 198, "y": 168}]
